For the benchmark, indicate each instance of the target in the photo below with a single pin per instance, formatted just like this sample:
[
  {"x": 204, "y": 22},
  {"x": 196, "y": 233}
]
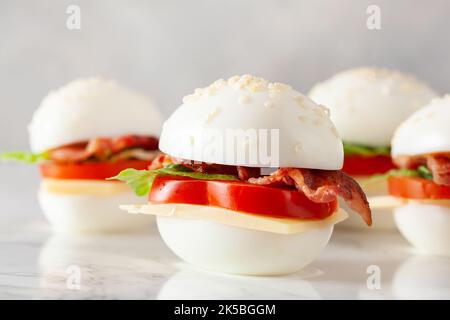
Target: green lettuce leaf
[
  {"x": 424, "y": 172},
  {"x": 26, "y": 157},
  {"x": 420, "y": 172},
  {"x": 357, "y": 149},
  {"x": 141, "y": 181}
]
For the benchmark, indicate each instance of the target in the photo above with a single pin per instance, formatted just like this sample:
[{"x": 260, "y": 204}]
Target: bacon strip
[
  {"x": 318, "y": 185},
  {"x": 244, "y": 173},
  {"x": 138, "y": 154},
  {"x": 439, "y": 165},
  {"x": 409, "y": 162},
  {"x": 322, "y": 186},
  {"x": 160, "y": 161},
  {"x": 102, "y": 148}
]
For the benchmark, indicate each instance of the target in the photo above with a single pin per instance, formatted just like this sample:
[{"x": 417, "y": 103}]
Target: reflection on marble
[
  {"x": 109, "y": 266},
  {"x": 34, "y": 265},
  {"x": 422, "y": 277},
  {"x": 190, "y": 284}
]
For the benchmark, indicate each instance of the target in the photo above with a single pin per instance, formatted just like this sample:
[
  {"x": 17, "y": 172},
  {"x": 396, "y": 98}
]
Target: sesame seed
[
  {"x": 278, "y": 87},
  {"x": 246, "y": 78},
  {"x": 233, "y": 80},
  {"x": 299, "y": 99},
  {"x": 417, "y": 120},
  {"x": 244, "y": 99},
  {"x": 429, "y": 115},
  {"x": 248, "y": 82},
  {"x": 191, "y": 140},
  {"x": 325, "y": 110},
  {"x": 218, "y": 84},
  {"x": 245, "y": 82},
  {"x": 319, "y": 111},
  {"x": 211, "y": 91},
  {"x": 298, "y": 147},
  {"x": 334, "y": 131},
  {"x": 213, "y": 114},
  {"x": 189, "y": 98},
  {"x": 256, "y": 87}
]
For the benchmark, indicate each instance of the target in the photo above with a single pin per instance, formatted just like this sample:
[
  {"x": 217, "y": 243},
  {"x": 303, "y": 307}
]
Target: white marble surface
[{"x": 33, "y": 265}]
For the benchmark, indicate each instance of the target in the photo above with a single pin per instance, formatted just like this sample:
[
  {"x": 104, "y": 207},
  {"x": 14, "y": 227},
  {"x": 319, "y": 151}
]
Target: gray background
[{"x": 168, "y": 48}]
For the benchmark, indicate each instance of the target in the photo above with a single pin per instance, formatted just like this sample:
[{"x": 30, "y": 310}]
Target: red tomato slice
[
  {"x": 89, "y": 170},
  {"x": 239, "y": 196},
  {"x": 417, "y": 188},
  {"x": 367, "y": 165}
]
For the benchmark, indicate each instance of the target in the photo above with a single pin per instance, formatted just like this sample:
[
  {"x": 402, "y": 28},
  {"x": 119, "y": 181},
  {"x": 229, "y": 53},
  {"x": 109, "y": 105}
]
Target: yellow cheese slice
[
  {"x": 385, "y": 202},
  {"x": 235, "y": 218},
  {"x": 393, "y": 202},
  {"x": 372, "y": 186},
  {"x": 89, "y": 187}
]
